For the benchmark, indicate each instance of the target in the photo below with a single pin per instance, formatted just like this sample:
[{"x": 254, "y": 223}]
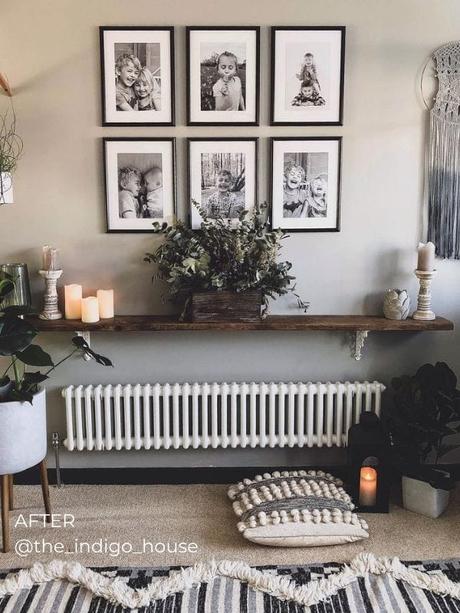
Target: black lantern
[{"x": 368, "y": 459}]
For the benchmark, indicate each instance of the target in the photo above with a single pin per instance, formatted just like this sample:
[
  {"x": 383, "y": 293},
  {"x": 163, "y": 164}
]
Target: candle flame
[{"x": 368, "y": 473}]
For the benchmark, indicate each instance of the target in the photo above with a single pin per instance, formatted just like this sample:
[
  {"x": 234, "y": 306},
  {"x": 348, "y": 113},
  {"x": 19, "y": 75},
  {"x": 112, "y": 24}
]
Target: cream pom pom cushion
[{"x": 296, "y": 509}]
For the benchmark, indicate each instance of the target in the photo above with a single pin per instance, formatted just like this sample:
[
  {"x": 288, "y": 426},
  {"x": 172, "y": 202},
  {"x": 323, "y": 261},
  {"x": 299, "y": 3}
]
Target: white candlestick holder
[
  {"x": 424, "y": 311},
  {"x": 50, "y": 298}
]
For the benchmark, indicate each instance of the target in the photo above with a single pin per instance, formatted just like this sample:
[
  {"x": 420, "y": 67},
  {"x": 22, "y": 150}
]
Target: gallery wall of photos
[{"x": 222, "y": 81}]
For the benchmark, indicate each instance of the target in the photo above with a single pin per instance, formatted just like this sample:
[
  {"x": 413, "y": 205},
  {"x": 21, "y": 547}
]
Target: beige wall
[{"x": 50, "y": 52}]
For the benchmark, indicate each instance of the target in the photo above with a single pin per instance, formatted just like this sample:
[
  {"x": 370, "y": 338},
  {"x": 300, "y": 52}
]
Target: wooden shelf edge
[{"x": 159, "y": 323}]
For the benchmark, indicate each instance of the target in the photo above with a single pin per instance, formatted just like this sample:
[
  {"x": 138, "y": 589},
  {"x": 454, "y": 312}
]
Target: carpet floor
[{"x": 161, "y": 525}]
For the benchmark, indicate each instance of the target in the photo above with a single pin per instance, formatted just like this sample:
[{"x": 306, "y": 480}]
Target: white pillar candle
[
  {"x": 45, "y": 255},
  {"x": 89, "y": 310},
  {"x": 105, "y": 299},
  {"x": 367, "y": 486},
  {"x": 73, "y": 294},
  {"x": 426, "y": 256}
]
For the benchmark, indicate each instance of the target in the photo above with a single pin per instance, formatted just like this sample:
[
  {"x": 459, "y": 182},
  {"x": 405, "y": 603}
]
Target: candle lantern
[{"x": 368, "y": 459}]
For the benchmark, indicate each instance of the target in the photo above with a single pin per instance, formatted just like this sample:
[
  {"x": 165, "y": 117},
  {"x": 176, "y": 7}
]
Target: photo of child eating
[{"x": 223, "y": 77}]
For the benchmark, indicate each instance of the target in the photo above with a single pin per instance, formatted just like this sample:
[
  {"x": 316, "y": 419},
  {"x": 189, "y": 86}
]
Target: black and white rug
[{"x": 367, "y": 584}]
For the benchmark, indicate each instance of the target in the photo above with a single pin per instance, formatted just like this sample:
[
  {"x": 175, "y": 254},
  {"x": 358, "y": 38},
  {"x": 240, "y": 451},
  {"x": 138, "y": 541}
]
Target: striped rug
[{"x": 371, "y": 593}]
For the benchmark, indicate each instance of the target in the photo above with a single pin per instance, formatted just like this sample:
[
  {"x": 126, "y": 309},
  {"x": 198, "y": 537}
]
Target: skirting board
[{"x": 171, "y": 476}]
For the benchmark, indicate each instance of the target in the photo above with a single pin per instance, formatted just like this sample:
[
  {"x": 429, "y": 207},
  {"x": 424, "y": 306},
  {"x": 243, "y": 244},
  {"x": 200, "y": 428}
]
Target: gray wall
[{"x": 50, "y": 53}]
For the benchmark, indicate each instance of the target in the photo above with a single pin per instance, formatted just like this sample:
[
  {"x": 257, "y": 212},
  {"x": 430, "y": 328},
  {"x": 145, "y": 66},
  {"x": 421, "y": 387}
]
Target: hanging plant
[{"x": 11, "y": 147}]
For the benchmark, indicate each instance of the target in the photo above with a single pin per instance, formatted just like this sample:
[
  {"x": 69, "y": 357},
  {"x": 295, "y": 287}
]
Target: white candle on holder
[
  {"x": 426, "y": 255},
  {"x": 73, "y": 294},
  {"x": 367, "y": 486},
  {"x": 45, "y": 257},
  {"x": 53, "y": 259},
  {"x": 89, "y": 310},
  {"x": 105, "y": 299}
]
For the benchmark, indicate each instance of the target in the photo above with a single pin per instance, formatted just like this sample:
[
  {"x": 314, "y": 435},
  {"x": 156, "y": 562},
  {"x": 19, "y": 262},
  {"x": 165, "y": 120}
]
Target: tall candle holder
[
  {"x": 424, "y": 311},
  {"x": 50, "y": 298}
]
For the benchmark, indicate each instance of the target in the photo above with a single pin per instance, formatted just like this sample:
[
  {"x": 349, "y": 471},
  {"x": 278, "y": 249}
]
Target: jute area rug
[{"x": 367, "y": 583}]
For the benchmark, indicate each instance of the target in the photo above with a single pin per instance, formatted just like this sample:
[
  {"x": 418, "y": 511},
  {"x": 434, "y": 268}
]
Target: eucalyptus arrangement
[
  {"x": 424, "y": 412},
  {"x": 11, "y": 146},
  {"x": 16, "y": 343},
  {"x": 223, "y": 255}
]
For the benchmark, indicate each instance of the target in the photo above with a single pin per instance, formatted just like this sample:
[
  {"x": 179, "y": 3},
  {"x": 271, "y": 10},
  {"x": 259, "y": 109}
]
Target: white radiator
[{"x": 184, "y": 415}]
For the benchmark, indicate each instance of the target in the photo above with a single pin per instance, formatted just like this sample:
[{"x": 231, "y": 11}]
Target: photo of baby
[
  {"x": 140, "y": 186},
  {"x": 137, "y": 77},
  {"x": 223, "y": 184},
  {"x": 305, "y": 185},
  {"x": 223, "y": 76}
]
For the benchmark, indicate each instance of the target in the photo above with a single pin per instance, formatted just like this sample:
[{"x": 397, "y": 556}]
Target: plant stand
[{"x": 7, "y": 502}]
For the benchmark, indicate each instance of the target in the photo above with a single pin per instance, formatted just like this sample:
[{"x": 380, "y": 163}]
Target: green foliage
[
  {"x": 425, "y": 410},
  {"x": 222, "y": 255},
  {"x": 10, "y": 143},
  {"x": 16, "y": 336}
]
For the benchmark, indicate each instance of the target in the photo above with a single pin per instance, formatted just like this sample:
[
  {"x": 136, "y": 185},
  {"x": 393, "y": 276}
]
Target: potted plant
[
  {"x": 23, "y": 439},
  {"x": 224, "y": 271},
  {"x": 10, "y": 152},
  {"x": 424, "y": 412}
]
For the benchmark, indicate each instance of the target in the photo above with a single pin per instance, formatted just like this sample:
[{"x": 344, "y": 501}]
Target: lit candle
[
  {"x": 426, "y": 257},
  {"x": 89, "y": 310},
  {"x": 105, "y": 299},
  {"x": 73, "y": 294},
  {"x": 367, "y": 486}
]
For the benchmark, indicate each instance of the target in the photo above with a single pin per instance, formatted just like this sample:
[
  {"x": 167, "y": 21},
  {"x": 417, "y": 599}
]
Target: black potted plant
[
  {"x": 423, "y": 414},
  {"x": 224, "y": 270},
  {"x": 22, "y": 399}
]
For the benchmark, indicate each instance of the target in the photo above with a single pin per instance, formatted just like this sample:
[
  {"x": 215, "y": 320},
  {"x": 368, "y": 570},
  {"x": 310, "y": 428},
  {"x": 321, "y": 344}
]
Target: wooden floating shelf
[{"x": 158, "y": 323}]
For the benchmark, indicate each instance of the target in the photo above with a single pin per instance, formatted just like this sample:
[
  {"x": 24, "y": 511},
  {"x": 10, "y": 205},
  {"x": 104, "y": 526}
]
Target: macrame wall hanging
[{"x": 444, "y": 155}]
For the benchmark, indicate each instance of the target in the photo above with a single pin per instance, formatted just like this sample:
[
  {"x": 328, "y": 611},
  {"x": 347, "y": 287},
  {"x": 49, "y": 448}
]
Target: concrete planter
[
  {"x": 427, "y": 494},
  {"x": 23, "y": 439}
]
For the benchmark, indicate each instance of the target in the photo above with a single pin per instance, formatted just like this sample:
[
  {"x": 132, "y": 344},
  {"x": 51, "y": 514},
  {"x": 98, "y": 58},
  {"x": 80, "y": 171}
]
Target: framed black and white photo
[
  {"x": 139, "y": 182},
  {"x": 223, "y": 76},
  {"x": 222, "y": 177},
  {"x": 137, "y": 65},
  {"x": 306, "y": 184},
  {"x": 307, "y": 75}
]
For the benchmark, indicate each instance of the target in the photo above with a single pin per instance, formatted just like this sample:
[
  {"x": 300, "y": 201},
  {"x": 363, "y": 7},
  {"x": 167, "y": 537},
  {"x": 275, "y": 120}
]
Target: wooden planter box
[{"x": 226, "y": 306}]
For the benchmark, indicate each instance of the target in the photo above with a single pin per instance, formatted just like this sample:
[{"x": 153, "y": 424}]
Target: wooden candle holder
[
  {"x": 50, "y": 299},
  {"x": 424, "y": 311}
]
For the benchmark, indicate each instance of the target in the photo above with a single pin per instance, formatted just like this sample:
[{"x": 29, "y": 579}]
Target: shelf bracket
[
  {"x": 358, "y": 342},
  {"x": 86, "y": 337}
]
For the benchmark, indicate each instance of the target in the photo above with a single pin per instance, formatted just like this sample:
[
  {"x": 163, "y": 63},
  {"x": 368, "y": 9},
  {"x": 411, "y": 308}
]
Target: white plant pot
[
  {"x": 6, "y": 188},
  {"x": 421, "y": 497},
  {"x": 23, "y": 439}
]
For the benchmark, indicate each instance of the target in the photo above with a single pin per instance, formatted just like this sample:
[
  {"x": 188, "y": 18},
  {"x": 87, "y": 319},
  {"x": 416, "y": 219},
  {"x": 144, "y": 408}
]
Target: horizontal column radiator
[{"x": 184, "y": 415}]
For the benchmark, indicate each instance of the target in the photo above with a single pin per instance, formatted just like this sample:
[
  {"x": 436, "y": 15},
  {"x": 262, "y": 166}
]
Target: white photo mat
[
  {"x": 111, "y": 114},
  {"x": 249, "y": 39},
  {"x": 331, "y": 147},
  {"x": 197, "y": 147},
  {"x": 112, "y": 149},
  {"x": 289, "y": 48}
]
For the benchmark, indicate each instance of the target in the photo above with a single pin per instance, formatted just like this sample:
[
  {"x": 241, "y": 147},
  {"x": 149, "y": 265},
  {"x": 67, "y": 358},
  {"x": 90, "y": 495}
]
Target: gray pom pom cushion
[{"x": 296, "y": 509}]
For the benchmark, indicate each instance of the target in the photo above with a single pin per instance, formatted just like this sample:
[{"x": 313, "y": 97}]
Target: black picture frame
[
  {"x": 104, "y": 98},
  {"x": 189, "y": 30},
  {"x": 337, "y": 218},
  {"x": 298, "y": 122},
  {"x": 192, "y": 140},
  {"x": 108, "y": 139}
]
